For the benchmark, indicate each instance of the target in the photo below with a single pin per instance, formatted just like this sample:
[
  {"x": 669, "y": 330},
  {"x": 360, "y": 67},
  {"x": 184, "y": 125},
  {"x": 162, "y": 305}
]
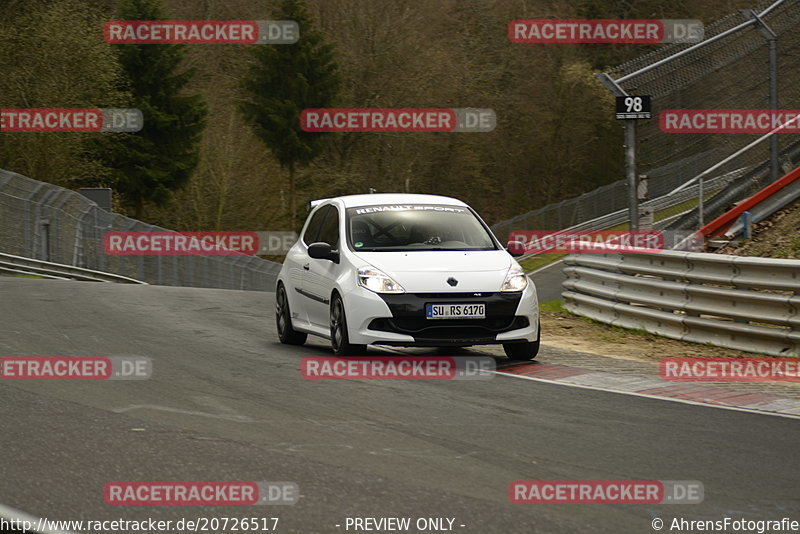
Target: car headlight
[
  {"x": 515, "y": 279},
  {"x": 378, "y": 281}
]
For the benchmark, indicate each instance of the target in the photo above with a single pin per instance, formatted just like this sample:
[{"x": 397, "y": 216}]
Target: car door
[
  {"x": 320, "y": 277},
  {"x": 297, "y": 261}
]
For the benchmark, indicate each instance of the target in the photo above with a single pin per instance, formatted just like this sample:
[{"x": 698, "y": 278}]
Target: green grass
[
  {"x": 679, "y": 208},
  {"x": 660, "y": 215},
  {"x": 539, "y": 261},
  {"x": 553, "y": 306},
  {"x": 28, "y": 276}
]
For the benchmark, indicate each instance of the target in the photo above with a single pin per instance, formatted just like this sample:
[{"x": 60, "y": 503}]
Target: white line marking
[
  {"x": 228, "y": 417},
  {"x": 545, "y": 267},
  {"x": 633, "y": 393},
  {"x": 11, "y": 514}
]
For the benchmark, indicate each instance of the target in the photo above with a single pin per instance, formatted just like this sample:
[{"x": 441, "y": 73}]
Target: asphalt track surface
[
  {"x": 227, "y": 402},
  {"x": 549, "y": 280}
]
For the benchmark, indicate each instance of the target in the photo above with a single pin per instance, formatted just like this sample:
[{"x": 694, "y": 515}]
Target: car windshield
[{"x": 406, "y": 227}]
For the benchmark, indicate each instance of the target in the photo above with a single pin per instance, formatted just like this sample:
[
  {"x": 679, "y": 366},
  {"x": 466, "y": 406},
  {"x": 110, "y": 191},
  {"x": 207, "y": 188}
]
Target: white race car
[{"x": 404, "y": 270}]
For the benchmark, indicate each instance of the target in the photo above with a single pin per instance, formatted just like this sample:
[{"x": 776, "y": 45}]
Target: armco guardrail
[
  {"x": 761, "y": 205},
  {"x": 737, "y": 302},
  {"x": 45, "y": 222},
  {"x": 19, "y": 265}
]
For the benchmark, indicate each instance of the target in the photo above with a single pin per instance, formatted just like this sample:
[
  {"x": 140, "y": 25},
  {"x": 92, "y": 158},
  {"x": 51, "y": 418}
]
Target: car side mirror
[
  {"x": 323, "y": 251},
  {"x": 516, "y": 249}
]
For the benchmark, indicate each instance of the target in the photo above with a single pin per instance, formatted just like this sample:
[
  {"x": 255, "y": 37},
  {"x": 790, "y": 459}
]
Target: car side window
[
  {"x": 329, "y": 233},
  {"x": 310, "y": 235}
]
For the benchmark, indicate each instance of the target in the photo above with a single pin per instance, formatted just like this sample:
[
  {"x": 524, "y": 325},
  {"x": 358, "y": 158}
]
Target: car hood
[{"x": 429, "y": 270}]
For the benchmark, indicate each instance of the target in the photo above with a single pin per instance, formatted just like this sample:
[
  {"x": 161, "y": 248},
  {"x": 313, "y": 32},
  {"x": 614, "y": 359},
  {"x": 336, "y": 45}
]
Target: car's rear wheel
[
  {"x": 340, "y": 339},
  {"x": 524, "y": 351},
  {"x": 283, "y": 320}
]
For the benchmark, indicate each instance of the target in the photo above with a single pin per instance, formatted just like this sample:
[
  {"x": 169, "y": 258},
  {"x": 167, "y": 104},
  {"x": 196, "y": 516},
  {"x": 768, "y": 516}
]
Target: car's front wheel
[
  {"x": 524, "y": 351},
  {"x": 283, "y": 320},
  {"x": 340, "y": 339}
]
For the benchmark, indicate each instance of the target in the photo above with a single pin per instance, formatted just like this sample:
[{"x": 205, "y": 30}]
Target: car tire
[
  {"x": 283, "y": 320},
  {"x": 524, "y": 351},
  {"x": 340, "y": 338}
]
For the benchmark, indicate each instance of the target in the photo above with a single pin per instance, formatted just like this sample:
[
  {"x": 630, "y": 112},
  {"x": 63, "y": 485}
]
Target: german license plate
[{"x": 455, "y": 311}]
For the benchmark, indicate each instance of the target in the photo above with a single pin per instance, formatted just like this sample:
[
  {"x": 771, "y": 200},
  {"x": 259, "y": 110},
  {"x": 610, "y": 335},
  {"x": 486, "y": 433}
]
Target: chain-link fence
[
  {"x": 50, "y": 223},
  {"x": 598, "y": 205},
  {"x": 731, "y": 72}
]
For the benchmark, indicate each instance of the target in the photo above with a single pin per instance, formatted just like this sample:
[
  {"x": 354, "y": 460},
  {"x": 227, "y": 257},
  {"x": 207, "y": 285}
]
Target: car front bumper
[{"x": 399, "y": 319}]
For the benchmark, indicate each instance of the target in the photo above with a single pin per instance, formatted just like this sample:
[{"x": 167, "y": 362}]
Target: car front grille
[{"x": 408, "y": 317}]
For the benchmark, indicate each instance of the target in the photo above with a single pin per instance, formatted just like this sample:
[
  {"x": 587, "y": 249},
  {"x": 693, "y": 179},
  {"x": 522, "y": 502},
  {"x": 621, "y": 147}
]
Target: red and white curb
[{"x": 689, "y": 393}]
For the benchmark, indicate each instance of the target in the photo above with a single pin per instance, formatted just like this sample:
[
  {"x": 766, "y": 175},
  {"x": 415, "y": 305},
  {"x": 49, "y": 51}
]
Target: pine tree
[
  {"x": 150, "y": 164},
  {"x": 282, "y": 82}
]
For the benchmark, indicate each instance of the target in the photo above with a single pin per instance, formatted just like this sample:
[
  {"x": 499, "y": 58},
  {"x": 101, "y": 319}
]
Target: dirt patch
[
  {"x": 563, "y": 330},
  {"x": 776, "y": 237}
]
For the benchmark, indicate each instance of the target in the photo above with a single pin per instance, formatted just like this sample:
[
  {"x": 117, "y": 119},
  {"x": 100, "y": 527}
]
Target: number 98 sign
[{"x": 633, "y": 107}]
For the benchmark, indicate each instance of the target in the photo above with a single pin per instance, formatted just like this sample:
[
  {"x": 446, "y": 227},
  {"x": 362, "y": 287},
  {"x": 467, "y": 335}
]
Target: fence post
[
  {"x": 700, "y": 201},
  {"x": 45, "y": 226},
  {"x": 773, "y": 104},
  {"x": 630, "y": 171},
  {"x": 772, "y": 40},
  {"x": 630, "y": 152}
]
